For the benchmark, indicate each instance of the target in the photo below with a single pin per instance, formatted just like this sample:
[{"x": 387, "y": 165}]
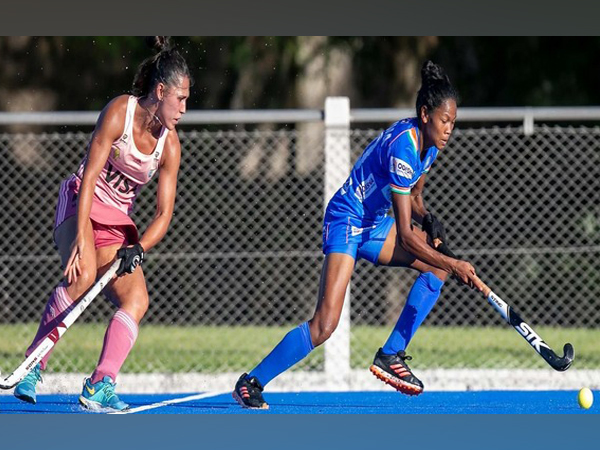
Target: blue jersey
[{"x": 390, "y": 163}]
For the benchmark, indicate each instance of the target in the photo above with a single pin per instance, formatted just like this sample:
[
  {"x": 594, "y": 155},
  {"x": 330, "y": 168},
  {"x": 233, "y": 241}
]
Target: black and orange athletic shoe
[
  {"x": 393, "y": 370},
  {"x": 248, "y": 393}
]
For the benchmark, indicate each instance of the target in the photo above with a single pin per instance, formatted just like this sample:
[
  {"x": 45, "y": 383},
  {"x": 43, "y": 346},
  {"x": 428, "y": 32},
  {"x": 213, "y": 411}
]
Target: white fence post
[{"x": 337, "y": 168}]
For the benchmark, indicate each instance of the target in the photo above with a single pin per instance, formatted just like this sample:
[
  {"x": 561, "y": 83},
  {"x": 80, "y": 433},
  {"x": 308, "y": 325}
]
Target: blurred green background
[{"x": 82, "y": 73}]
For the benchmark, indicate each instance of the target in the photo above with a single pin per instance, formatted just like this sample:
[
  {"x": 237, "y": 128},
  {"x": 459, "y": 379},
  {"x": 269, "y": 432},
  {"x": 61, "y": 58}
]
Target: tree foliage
[{"x": 82, "y": 73}]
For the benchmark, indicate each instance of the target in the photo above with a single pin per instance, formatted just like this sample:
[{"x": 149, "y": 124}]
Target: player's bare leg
[
  {"x": 299, "y": 342},
  {"x": 390, "y": 362},
  {"x": 60, "y": 302},
  {"x": 335, "y": 276},
  {"x": 128, "y": 292}
]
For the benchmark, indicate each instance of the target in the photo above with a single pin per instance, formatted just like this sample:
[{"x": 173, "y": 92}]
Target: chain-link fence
[{"x": 240, "y": 264}]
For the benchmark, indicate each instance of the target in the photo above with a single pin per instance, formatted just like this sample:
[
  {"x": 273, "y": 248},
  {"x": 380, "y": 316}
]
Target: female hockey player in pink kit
[{"x": 134, "y": 138}]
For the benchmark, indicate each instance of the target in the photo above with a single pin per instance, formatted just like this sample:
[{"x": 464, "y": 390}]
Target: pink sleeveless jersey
[{"x": 125, "y": 171}]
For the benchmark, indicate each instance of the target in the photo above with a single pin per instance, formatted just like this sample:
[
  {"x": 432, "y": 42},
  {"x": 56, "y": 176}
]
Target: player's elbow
[
  {"x": 164, "y": 215},
  {"x": 162, "y": 222}
]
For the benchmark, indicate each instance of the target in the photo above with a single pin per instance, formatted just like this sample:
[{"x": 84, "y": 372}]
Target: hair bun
[
  {"x": 431, "y": 73},
  {"x": 158, "y": 43}
]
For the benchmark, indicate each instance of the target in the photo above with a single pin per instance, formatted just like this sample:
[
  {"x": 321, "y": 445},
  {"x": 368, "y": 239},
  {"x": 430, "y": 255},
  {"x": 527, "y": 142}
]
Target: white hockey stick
[{"x": 50, "y": 341}]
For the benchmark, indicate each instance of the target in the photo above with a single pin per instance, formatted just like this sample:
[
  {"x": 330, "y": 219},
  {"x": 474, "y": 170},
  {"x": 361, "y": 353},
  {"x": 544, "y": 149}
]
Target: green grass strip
[{"x": 212, "y": 349}]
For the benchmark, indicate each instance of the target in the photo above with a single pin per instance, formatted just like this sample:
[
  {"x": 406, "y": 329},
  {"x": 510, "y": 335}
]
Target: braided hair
[
  {"x": 435, "y": 88},
  {"x": 167, "y": 66}
]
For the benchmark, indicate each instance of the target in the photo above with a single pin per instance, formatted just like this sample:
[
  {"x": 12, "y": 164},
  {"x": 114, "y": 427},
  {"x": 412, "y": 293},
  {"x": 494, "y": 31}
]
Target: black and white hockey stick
[
  {"x": 556, "y": 362},
  {"x": 50, "y": 341},
  {"x": 512, "y": 318}
]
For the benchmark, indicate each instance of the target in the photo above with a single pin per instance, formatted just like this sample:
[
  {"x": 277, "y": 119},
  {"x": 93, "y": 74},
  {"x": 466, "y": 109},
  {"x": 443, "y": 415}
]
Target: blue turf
[{"x": 475, "y": 402}]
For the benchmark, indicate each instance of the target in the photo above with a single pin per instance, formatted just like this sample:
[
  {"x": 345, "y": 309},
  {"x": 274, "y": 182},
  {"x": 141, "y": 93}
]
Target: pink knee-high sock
[
  {"x": 58, "y": 306},
  {"x": 118, "y": 341}
]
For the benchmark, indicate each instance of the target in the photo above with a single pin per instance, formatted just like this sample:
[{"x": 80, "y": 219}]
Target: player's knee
[
  {"x": 84, "y": 281},
  {"x": 441, "y": 274},
  {"x": 434, "y": 279},
  {"x": 321, "y": 330}
]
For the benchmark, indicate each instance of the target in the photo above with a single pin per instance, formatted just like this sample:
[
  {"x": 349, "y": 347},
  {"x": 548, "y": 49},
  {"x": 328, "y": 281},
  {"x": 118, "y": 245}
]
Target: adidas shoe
[
  {"x": 248, "y": 393},
  {"x": 393, "y": 370}
]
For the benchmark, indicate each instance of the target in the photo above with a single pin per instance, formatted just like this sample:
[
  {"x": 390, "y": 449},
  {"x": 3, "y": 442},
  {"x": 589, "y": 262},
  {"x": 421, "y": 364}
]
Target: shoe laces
[
  {"x": 109, "y": 390},
  {"x": 254, "y": 387},
  {"x": 255, "y": 384},
  {"x": 403, "y": 356},
  {"x": 35, "y": 374}
]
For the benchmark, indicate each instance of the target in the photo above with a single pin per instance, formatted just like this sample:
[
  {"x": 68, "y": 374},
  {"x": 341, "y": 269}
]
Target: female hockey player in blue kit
[{"x": 390, "y": 172}]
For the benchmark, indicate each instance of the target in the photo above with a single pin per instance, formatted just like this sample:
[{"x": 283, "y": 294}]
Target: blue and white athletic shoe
[
  {"x": 25, "y": 390},
  {"x": 101, "y": 396}
]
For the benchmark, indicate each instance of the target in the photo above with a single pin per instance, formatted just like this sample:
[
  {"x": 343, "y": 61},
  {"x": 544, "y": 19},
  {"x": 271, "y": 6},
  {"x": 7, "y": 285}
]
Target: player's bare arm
[
  {"x": 463, "y": 270},
  {"x": 167, "y": 189},
  {"x": 416, "y": 198}
]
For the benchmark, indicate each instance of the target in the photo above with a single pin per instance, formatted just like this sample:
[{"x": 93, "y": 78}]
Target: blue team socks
[
  {"x": 292, "y": 348},
  {"x": 422, "y": 297}
]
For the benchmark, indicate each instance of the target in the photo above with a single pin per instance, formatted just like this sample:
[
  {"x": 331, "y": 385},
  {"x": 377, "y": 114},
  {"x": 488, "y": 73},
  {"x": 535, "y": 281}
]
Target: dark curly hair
[
  {"x": 435, "y": 88},
  {"x": 167, "y": 66}
]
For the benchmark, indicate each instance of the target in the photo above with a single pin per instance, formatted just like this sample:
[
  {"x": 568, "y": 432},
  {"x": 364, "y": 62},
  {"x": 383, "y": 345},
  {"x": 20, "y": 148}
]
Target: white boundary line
[{"x": 171, "y": 402}]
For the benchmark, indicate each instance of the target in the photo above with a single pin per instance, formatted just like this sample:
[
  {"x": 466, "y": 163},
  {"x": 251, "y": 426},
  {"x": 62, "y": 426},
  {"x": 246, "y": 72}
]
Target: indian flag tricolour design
[{"x": 400, "y": 190}]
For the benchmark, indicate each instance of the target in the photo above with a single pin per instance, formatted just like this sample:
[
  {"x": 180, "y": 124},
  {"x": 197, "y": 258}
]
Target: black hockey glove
[
  {"x": 444, "y": 250},
  {"x": 131, "y": 257},
  {"x": 434, "y": 228}
]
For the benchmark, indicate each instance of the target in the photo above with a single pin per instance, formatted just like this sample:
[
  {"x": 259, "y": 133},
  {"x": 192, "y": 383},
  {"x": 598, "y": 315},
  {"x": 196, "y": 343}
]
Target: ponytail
[
  {"x": 167, "y": 67},
  {"x": 435, "y": 88}
]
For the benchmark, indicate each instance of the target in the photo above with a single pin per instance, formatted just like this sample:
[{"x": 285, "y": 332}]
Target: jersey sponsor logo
[
  {"x": 118, "y": 181},
  {"x": 401, "y": 168},
  {"x": 365, "y": 188}
]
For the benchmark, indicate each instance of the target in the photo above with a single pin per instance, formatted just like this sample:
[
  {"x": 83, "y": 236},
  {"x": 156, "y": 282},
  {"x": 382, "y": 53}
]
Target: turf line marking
[{"x": 171, "y": 402}]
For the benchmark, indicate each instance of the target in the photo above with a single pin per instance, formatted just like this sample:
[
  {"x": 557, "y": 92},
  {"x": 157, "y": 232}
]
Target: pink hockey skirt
[{"x": 111, "y": 226}]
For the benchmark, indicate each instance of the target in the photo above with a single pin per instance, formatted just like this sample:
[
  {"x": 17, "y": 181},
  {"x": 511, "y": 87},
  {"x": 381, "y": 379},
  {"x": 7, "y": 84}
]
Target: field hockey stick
[
  {"x": 556, "y": 362},
  {"x": 512, "y": 318},
  {"x": 50, "y": 341}
]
